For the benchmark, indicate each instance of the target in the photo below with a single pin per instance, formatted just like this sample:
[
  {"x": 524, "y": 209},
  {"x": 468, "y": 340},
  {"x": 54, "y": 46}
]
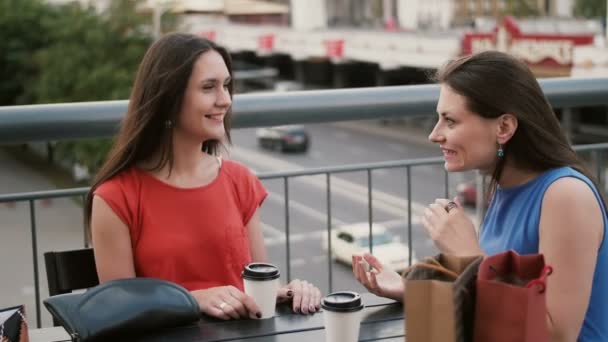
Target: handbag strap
[
  {"x": 541, "y": 281},
  {"x": 436, "y": 266}
]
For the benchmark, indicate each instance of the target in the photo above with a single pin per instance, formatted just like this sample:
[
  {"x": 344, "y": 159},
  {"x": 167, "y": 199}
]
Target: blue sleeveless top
[{"x": 512, "y": 222}]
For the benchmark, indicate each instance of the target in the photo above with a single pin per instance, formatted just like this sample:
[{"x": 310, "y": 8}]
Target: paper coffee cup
[
  {"x": 342, "y": 313},
  {"x": 261, "y": 282}
]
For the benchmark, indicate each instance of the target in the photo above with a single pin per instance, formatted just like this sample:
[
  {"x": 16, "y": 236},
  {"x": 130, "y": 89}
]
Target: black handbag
[{"x": 124, "y": 307}]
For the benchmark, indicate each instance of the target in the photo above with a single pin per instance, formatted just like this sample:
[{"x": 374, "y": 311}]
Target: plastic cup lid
[
  {"x": 260, "y": 271},
  {"x": 342, "y": 301}
]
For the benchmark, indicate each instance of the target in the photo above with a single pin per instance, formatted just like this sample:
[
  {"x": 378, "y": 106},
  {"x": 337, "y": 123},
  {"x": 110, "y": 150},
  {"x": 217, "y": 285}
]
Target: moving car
[
  {"x": 283, "y": 138},
  {"x": 354, "y": 239}
]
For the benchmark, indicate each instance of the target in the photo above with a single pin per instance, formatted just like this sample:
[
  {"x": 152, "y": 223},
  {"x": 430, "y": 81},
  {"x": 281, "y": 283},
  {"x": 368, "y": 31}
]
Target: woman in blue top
[{"x": 493, "y": 117}]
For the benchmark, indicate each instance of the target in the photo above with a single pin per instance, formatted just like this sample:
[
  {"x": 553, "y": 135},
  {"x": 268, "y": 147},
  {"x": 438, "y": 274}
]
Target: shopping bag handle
[
  {"x": 434, "y": 265},
  {"x": 542, "y": 280}
]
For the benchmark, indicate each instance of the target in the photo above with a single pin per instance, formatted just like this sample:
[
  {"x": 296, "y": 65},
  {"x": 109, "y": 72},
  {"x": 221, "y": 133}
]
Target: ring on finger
[
  {"x": 451, "y": 205},
  {"x": 223, "y": 305}
]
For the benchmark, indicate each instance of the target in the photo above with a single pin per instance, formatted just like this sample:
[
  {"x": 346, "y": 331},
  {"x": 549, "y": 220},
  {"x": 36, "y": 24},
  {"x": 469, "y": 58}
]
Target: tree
[
  {"x": 23, "y": 31},
  {"x": 521, "y": 8},
  {"x": 69, "y": 53},
  {"x": 590, "y": 8},
  {"x": 93, "y": 57}
]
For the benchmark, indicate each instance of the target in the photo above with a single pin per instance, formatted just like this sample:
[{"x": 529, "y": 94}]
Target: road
[
  {"x": 59, "y": 223},
  {"x": 332, "y": 146}
]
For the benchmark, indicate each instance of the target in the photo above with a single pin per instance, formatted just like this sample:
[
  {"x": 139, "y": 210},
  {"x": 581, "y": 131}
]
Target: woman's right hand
[
  {"x": 226, "y": 302},
  {"x": 380, "y": 281}
]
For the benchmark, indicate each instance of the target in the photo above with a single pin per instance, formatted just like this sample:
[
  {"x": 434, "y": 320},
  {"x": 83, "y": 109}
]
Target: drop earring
[
  {"x": 500, "y": 152},
  {"x": 168, "y": 123}
]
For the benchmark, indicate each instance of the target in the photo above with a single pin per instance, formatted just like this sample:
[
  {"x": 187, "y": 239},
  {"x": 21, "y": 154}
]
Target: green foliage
[
  {"x": 590, "y": 8},
  {"x": 23, "y": 30},
  {"x": 521, "y": 8},
  {"x": 89, "y": 152},
  {"x": 93, "y": 57},
  {"x": 70, "y": 53}
]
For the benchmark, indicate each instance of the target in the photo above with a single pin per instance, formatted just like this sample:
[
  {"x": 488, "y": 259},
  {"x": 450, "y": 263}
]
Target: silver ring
[
  {"x": 451, "y": 205},
  {"x": 223, "y": 305}
]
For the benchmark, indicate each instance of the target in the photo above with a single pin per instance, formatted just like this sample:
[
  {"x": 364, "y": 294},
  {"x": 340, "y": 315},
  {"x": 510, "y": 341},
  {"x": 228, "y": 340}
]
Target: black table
[{"x": 383, "y": 320}]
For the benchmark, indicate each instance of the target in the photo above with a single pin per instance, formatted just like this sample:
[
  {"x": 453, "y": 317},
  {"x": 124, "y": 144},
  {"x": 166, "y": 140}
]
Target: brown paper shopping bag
[
  {"x": 440, "y": 299},
  {"x": 510, "y": 303}
]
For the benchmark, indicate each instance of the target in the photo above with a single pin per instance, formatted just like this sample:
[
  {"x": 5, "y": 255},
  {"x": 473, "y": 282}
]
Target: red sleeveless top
[{"x": 195, "y": 237}]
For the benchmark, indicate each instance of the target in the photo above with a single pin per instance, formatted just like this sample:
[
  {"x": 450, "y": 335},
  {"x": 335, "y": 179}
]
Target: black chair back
[{"x": 70, "y": 270}]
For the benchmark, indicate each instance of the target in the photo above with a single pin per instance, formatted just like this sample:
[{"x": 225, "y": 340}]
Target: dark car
[{"x": 284, "y": 138}]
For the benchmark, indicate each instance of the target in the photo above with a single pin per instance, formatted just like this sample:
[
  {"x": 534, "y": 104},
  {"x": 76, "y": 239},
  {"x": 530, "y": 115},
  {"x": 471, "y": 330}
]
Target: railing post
[
  {"x": 35, "y": 256},
  {"x": 599, "y": 170},
  {"x": 480, "y": 199},
  {"x": 84, "y": 227},
  {"x": 409, "y": 213},
  {"x": 568, "y": 122},
  {"x": 287, "y": 249},
  {"x": 329, "y": 250},
  {"x": 447, "y": 184},
  {"x": 370, "y": 209}
]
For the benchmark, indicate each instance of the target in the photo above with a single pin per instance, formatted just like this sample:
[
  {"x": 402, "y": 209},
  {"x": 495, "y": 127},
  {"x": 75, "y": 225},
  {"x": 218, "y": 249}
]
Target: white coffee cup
[
  {"x": 261, "y": 282},
  {"x": 342, "y": 314}
]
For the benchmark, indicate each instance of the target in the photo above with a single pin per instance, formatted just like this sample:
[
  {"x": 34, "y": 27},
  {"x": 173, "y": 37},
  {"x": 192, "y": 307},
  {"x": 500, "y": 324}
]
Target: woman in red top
[{"x": 165, "y": 205}]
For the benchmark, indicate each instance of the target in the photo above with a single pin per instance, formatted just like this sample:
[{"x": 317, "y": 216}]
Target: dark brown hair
[
  {"x": 156, "y": 99},
  {"x": 494, "y": 83}
]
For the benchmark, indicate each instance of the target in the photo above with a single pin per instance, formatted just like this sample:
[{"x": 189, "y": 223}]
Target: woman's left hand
[
  {"x": 451, "y": 229},
  {"x": 306, "y": 298}
]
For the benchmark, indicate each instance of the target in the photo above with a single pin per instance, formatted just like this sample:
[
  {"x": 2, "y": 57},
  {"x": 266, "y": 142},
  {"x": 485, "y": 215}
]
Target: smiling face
[
  {"x": 207, "y": 99},
  {"x": 467, "y": 140}
]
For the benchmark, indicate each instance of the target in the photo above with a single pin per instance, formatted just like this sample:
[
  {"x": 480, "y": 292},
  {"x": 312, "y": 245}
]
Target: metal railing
[
  {"x": 96, "y": 119},
  {"x": 407, "y": 165},
  {"x": 101, "y": 119}
]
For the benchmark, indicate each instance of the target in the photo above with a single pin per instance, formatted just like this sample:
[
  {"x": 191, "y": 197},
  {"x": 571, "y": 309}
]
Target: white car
[
  {"x": 283, "y": 138},
  {"x": 354, "y": 239}
]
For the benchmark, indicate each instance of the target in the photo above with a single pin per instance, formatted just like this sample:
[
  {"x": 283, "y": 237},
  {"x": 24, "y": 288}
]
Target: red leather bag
[{"x": 510, "y": 304}]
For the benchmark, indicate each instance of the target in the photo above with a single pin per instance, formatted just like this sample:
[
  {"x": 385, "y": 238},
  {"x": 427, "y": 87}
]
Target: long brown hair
[
  {"x": 494, "y": 83},
  {"x": 155, "y": 101}
]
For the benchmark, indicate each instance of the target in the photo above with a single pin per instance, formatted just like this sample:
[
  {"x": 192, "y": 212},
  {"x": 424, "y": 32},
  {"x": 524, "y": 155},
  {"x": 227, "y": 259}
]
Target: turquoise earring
[{"x": 500, "y": 152}]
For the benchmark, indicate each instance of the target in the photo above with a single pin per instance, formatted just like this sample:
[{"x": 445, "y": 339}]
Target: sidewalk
[{"x": 59, "y": 226}]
